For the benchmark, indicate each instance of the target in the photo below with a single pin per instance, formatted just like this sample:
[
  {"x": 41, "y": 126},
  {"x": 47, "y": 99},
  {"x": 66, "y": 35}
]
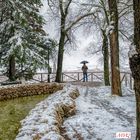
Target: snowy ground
[
  {"x": 43, "y": 121},
  {"x": 99, "y": 115}
]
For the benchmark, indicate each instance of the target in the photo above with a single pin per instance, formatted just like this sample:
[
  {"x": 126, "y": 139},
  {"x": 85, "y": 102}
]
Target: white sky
[{"x": 72, "y": 61}]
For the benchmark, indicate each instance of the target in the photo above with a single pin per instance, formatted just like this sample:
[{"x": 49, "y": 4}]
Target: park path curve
[{"x": 100, "y": 115}]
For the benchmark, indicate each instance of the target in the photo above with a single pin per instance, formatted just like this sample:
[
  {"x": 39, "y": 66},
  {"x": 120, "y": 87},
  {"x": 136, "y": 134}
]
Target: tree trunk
[
  {"x": 106, "y": 59},
  {"x": 12, "y": 68},
  {"x": 135, "y": 68},
  {"x": 61, "y": 51},
  {"x": 135, "y": 62},
  {"x": 114, "y": 47}
]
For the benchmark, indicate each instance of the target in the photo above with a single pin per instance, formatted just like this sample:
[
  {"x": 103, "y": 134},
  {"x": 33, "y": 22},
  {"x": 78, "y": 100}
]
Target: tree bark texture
[
  {"x": 114, "y": 48},
  {"x": 61, "y": 51},
  {"x": 106, "y": 59},
  {"x": 135, "y": 63},
  {"x": 12, "y": 68},
  {"x": 135, "y": 68}
]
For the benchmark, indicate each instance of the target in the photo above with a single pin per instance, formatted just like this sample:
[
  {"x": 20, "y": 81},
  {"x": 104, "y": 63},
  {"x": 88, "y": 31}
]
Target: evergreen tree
[{"x": 21, "y": 36}]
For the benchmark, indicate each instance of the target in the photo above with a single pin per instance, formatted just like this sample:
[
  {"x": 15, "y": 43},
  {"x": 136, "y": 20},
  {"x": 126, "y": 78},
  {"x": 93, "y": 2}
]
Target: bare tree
[
  {"x": 101, "y": 21},
  {"x": 105, "y": 25},
  {"x": 105, "y": 46},
  {"x": 63, "y": 8}
]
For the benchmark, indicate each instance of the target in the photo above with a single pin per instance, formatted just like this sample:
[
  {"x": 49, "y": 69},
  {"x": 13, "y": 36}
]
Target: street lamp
[{"x": 48, "y": 49}]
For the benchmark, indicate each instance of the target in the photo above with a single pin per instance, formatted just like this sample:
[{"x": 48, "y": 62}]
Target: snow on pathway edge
[{"x": 44, "y": 121}]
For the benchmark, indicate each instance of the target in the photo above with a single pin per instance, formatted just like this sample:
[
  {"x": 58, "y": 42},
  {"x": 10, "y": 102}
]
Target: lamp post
[
  {"x": 48, "y": 65},
  {"x": 48, "y": 49}
]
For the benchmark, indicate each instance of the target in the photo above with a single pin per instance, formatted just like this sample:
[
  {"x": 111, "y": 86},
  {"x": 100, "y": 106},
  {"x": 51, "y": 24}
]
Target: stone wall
[
  {"x": 45, "y": 121},
  {"x": 10, "y": 92}
]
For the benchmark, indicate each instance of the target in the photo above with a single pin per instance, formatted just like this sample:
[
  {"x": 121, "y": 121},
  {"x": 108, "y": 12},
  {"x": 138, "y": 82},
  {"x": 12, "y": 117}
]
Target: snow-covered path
[{"x": 100, "y": 115}]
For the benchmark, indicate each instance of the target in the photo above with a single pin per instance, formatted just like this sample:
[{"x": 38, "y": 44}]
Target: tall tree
[
  {"x": 104, "y": 24},
  {"x": 21, "y": 35},
  {"x": 114, "y": 48},
  {"x": 101, "y": 21},
  {"x": 105, "y": 46},
  {"x": 64, "y": 13},
  {"x": 61, "y": 11},
  {"x": 12, "y": 69},
  {"x": 134, "y": 55},
  {"x": 106, "y": 58}
]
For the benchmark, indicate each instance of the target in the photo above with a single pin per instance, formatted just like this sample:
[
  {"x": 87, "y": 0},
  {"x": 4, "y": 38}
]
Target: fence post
[
  {"x": 91, "y": 76},
  {"x": 78, "y": 76}
]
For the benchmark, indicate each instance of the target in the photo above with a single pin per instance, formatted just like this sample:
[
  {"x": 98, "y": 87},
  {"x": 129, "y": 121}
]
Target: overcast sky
[{"x": 73, "y": 59}]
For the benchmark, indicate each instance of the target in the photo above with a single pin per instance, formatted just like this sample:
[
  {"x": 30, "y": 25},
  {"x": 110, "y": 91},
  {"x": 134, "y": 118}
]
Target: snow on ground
[
  {"x": 41, "y": 123},
  {"x": 100, "y": 115}
]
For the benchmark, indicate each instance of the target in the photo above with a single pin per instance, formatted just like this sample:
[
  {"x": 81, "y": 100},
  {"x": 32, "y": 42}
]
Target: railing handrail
[{"x": 78, "y": 76}]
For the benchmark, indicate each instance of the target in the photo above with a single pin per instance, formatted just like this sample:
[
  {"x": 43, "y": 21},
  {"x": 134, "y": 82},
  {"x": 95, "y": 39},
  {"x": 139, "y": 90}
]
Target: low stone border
[
  {"x": 45, "y": 120},
  {"x": 10, "y": 83},
  {"x": 10, "y": 92}
]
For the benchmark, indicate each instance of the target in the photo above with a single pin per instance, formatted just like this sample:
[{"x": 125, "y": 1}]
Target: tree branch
[
  {"x": 66, "y": 10},
  {"x": 61, "y": 8},
  {"x": 77, "y": 20}
]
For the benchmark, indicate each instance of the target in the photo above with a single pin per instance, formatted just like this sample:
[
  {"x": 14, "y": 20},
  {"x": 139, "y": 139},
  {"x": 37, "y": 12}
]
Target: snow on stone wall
[{"x": 45, "y": 120}]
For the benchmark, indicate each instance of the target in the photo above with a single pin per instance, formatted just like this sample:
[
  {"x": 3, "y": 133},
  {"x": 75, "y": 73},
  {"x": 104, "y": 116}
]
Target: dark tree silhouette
[{"x": 135, "y": 61}]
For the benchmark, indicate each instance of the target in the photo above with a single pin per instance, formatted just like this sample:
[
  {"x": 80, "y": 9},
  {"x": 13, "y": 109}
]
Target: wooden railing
[
  {"x": 78, "y": 76},
  {"x": 126, "y": 77},
  {"x": 96, "y": 76}
]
